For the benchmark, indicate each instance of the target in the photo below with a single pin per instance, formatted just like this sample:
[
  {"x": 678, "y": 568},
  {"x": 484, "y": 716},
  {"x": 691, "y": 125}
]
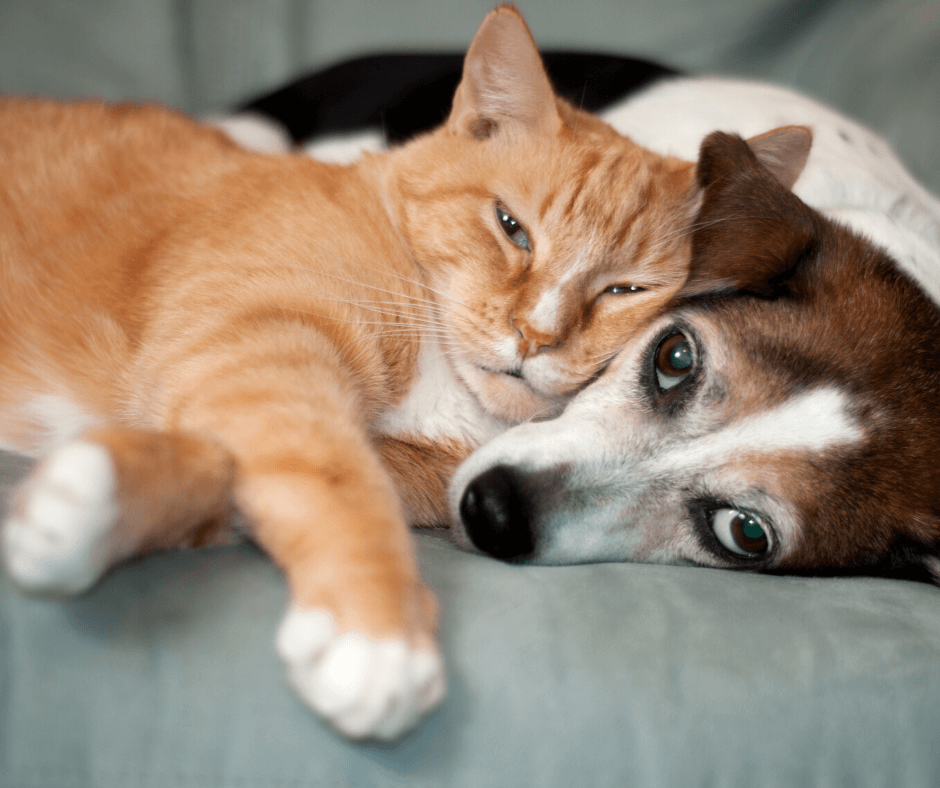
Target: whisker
[{"x": 422, "y": 284}]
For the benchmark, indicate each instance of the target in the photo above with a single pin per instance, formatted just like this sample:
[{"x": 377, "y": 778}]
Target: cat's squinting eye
[
  {"x": 512, "y": 228},
  {"x": 624, "y": 289}
]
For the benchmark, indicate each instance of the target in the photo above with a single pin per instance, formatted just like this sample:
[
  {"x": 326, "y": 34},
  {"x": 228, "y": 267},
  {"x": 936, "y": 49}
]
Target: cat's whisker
[
  {"x": 600, "y": 359},
  {"x": 431, "y": 307},
  {"x": 695, "y": 226},
  {"x": 417, "y": 326},
  {"x": 393, "y": 310},
  {"x": 362, "y": 284},
  {"x": 428, "y": 287},
  {"x": 533, "y": 416}
]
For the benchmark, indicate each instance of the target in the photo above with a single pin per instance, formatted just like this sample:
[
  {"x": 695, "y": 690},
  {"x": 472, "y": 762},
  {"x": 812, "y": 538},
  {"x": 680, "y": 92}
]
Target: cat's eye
[
  {"x": 624, "y": 289},
  {"x": 740, "y": 532},
  {"x": 674, "y": 360},
  {"x": 511, "y": 227}
]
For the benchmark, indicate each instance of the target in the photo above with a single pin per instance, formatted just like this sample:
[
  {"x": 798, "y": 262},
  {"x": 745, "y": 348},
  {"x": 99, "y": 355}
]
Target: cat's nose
[
  {"x": 496, "y": 515},
  {"x": 532, "y": 341}
]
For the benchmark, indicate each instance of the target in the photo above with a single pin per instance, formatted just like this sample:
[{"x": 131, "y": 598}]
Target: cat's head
[{"x": 548, "y": 238}]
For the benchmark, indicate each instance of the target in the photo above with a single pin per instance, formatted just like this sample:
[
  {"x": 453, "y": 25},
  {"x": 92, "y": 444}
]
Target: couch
[{"x": 164, "y": 675}]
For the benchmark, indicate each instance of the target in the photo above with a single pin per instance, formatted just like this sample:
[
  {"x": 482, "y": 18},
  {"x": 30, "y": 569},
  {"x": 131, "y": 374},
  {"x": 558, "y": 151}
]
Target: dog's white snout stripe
[{"x": 812, "y": 422}]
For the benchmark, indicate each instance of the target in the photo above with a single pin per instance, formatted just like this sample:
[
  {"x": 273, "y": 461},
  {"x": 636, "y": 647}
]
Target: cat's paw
[
  {"x": 366, "y": 688},
  {"x": 55, "y": 540}
]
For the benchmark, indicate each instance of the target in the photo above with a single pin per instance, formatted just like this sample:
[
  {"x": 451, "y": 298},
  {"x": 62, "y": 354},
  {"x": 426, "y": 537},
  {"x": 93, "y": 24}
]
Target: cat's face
[
  {"x": 547, "y": 252},
  {"x": 549, "y": 239}
]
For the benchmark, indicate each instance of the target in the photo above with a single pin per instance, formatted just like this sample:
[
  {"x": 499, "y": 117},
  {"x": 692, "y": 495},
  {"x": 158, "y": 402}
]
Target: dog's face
[{"x": 781, "y": 416}]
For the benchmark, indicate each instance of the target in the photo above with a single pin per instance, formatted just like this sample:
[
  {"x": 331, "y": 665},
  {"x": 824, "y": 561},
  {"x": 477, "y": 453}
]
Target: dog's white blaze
[
  {"x": 812, "y": 422},
  {"x": 438, "y": 404}
]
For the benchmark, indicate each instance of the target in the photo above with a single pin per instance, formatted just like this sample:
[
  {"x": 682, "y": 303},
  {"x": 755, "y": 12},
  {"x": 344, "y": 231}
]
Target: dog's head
[{"x": 782, "y": 416}]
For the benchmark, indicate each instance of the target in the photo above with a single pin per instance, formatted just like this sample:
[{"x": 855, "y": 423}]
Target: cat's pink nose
[{"x": 532, "y": 341}]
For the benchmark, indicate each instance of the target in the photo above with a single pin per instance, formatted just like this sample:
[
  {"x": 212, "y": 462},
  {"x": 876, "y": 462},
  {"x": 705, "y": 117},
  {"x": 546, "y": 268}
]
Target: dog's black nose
[{"x": 496, "y": 515}]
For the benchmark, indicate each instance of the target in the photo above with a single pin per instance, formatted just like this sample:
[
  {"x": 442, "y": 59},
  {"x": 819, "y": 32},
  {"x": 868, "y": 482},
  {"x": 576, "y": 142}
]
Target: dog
[
  {"x": 783, "y": 421},
  {"x": 780, "y": 421}
]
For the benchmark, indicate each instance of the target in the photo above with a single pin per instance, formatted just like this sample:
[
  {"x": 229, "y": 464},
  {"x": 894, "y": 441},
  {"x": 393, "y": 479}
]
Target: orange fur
[{"x": 234, "y": 327}]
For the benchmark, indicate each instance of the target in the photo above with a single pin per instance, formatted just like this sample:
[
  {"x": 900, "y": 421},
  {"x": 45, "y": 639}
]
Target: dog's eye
[
  {"x": 674, "y": 361},
  {"x": 740, "y": 532},
  {"x": 511, "y": 227}
]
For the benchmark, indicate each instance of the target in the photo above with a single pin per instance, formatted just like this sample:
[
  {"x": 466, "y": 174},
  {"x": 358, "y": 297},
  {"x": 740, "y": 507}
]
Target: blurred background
[{"x": 879, "y": 61}]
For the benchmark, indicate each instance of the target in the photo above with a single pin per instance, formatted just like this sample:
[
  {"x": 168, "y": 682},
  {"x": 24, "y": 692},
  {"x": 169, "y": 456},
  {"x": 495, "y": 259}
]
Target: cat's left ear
[{"x": 504, "y": 82}]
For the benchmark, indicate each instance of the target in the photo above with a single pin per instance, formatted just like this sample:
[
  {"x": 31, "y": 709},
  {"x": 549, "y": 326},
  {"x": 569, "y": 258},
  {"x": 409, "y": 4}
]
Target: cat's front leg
[
  {"x": 292, "y": 401},
  {"x": 358, "y": 641}
]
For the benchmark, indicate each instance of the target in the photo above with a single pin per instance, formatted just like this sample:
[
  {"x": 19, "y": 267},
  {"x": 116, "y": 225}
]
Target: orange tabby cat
[{"x": 188, "y": 328}]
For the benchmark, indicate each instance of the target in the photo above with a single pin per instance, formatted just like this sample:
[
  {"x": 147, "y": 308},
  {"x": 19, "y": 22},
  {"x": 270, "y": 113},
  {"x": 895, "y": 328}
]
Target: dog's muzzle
[{"x": 497, "y": 516}]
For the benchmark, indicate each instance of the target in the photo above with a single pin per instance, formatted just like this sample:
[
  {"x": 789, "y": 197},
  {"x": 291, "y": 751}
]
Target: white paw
[
  {"x": 364, "y": 687},
  {"x": 56, "y": 539}
]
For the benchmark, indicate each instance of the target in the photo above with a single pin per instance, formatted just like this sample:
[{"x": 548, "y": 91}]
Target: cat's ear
[
  {"x": 783, "y": 151},
  {"x": 504, "y": 82},
  {"x": 752, "y": 233}
]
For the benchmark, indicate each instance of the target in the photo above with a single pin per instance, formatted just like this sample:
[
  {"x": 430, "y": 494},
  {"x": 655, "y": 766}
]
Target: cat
[{"x": 190, "y": 329}]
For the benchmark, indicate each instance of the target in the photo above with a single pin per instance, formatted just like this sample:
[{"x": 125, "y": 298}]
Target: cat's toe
[
  {"x": 56, "y": 538},
  {"x": 365, "y": 687}
]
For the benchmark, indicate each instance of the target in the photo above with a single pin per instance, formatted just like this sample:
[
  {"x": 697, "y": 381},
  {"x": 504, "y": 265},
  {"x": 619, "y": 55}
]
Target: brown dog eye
[
  {"x": 674, "y": 360},
  {"x": 740, "y": 532}
]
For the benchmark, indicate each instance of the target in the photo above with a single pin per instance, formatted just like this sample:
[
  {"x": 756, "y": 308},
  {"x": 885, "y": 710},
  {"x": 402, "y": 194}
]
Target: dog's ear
[
  {"x": 504, "y": 82},
  {"x": 783, "y": 151},
  {"x": 752, "y": 232}
]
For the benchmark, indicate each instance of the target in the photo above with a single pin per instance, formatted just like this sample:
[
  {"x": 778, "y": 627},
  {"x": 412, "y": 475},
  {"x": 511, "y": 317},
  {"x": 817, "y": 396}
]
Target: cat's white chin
[{"x": 507, "y": 397}]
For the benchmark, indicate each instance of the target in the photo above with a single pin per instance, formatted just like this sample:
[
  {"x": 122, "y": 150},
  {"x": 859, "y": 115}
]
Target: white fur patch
[
  {"x": 364, "y": 687},
  {"x": 544, "y": 315},
  {"x": 345, "y": 148},
  {"x": 56, "y": 541},
  {"x": 812, "y": 422},
  {"x": 438, "y": 405},
  {"x": 254, "y": 132}
]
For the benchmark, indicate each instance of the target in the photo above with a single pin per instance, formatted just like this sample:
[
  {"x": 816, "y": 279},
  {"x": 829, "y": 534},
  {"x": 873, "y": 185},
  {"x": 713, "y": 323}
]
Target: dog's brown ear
[
  {"x": 751, "y": 231},
  {"x": 783, "y": 151}
]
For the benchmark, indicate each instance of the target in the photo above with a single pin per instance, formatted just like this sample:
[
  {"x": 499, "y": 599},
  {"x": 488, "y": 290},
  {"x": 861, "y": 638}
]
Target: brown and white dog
[{"x": 786, "y": 421}]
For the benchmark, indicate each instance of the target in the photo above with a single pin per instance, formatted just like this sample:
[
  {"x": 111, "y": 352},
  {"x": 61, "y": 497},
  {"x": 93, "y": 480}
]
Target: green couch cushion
[{"x": 605, "y": 675}]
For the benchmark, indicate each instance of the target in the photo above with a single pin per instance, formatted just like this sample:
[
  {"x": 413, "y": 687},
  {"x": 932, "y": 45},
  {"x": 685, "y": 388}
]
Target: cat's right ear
[{"x": 504, "y": 83}]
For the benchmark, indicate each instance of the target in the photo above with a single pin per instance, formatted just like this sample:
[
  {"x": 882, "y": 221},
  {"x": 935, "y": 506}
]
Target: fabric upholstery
[{"x": 605, "y": 675}]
